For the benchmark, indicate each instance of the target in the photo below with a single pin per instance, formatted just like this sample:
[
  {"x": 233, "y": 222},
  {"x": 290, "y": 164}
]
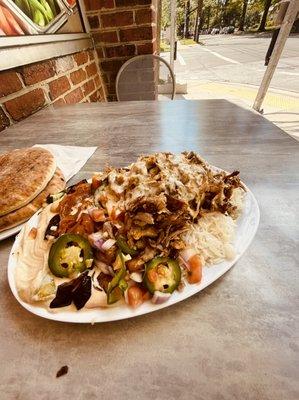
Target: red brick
[
  {"x": 117, "y": 19},
  {"x": 100, "y": 52},
  {"x": 144, "y": 16},
  {"x": 58, "y": 103},
  {"x": 105, "y": 37},
  {"x": 93, "y": 97},
  {"x": 146, "y": 48},
  {"x": 4, "y": 120},
  {"x": 64, "y": 64},
  {"x": 101, "y": 94},
  {"x": 112, "y": 65},
  {"x": 74, "y": 97},
  {"x": 98, "y": 4},
  {"x": 91, "y": 69},
  {"x": 78, "y": 76},
  {"x": 91, "y": 55},
  {"x": 88, "y": 87},
  {"x": 93, "y": 21},
  {"x": 105, "y": 78},
  {"x": 125, "y": 3},
  {"x": 9, "y": 83},
  {"x": 58, "y": 87},
  {"x": 135, "y": 34},
  {"x": 120, "y": 51},
  {"x": 97, "y": 81},
  {"x": 25, "y": 105},
  {"x": 81, "y": 58},
  {"x": 113, "y": 75},
  {"x": 37, "y": 72}
]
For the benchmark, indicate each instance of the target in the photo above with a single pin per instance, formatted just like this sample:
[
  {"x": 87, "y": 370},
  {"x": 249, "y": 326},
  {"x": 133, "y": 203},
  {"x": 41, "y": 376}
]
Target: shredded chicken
[{"x": 155, "y": 200}]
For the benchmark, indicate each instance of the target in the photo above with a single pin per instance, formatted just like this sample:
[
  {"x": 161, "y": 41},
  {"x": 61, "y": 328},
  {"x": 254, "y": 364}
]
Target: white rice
[{"x": 213, "y": 236}]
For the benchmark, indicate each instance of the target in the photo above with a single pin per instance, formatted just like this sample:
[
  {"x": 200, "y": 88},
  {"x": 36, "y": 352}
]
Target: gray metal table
[{"x": 234, "y": 340}]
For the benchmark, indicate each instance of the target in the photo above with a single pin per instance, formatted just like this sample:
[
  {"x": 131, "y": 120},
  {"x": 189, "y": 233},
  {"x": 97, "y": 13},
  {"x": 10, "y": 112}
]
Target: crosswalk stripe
[{"x": 220, "y": 56}]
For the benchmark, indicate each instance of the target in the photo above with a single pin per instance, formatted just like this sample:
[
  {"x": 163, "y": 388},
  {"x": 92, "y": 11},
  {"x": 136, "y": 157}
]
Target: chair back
[{"x": 145, "y": 77}]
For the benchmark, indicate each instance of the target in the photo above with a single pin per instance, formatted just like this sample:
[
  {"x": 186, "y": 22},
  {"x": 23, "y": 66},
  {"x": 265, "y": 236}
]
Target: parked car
[
  {"x": 227, "y": 30},
  {"x": 223, "y": 31}
]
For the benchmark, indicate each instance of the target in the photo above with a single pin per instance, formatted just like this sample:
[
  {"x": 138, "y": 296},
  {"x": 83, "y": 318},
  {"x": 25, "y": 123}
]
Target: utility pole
[{"x": 286, "y": 26}]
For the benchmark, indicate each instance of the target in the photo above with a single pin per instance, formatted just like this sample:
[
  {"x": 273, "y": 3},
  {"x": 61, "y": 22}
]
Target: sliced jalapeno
[
  {"x": 124, "y": 247},
  {"x": 162, "y": 274},
  {"x": 70, "y": 254},
  {"x": 116, "y": 287}
]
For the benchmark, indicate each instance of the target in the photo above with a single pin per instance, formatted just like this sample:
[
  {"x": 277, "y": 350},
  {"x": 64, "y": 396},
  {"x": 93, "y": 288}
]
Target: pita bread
[
  {"x": 24, "y": 173},
  {"x": 56, "y": 184}
]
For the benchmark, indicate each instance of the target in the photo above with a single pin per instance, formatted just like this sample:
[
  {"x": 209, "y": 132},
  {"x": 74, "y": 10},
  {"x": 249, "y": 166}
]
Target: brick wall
[
  {"x": 121, "y": 29},
  {"x": 64, "y": 80}
]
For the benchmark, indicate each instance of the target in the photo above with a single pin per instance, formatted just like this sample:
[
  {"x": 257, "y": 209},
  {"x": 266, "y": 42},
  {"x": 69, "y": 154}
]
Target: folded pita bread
[
  {"x": 24, "y": 173},
  {"x": 56, "y": 184}
]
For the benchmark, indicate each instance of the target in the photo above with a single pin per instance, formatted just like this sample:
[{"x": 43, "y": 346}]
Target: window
[{"x": 34, "y": 30}]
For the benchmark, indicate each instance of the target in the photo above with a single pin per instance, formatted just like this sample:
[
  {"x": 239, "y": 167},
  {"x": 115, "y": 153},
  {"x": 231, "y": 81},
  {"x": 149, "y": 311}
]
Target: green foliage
[
  {"x": 218, "y": 13},
  {"x": 187, "y": 42}
]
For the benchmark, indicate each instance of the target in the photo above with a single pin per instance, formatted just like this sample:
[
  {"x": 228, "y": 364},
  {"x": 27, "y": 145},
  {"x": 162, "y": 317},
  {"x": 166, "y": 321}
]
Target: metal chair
[{"x": 145, "y": 77}]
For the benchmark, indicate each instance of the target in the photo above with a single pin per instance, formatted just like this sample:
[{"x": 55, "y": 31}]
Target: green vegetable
[
  {"x": 114, "y": 296},
  {"x": 117, "y": 286},
  {"x": 53, "y": 7},
  {"x": 162, "y": 274},
  {"x": 48, "y": 10},
  {"x": 38, "y": 18},
  {"x": 27, "y": 8},
  {"x": 42, "y": 13},
  {"x": 124, "y": 247},
  {"x": 69, "y": 255},
  {"x": 24, "y": 6},
  {"x": 123, "y": 285}
]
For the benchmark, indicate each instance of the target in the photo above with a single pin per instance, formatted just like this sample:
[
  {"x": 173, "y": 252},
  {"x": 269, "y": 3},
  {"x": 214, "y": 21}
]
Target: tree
[
  {"x": 187, "y": 19},
  {"x": 224, "y": 12},
  {"x": 267, "y": 4},
  {"x": 198, "y": 19},
  {"x": 244, "y": 9}
]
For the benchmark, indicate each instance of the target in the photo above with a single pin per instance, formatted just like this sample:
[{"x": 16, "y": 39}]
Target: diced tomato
[
  {"x": 195, "y": 269},
  {"x": 135, "y": 296}
]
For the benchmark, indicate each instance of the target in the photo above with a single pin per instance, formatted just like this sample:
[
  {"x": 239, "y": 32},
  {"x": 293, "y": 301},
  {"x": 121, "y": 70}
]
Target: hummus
[{"x": 33, "y": 278}]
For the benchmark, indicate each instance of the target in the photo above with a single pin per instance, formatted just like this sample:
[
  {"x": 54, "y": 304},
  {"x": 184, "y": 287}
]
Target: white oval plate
[
  {"x": 246, "y": 229},
  {"x": 11, "y": 231}
]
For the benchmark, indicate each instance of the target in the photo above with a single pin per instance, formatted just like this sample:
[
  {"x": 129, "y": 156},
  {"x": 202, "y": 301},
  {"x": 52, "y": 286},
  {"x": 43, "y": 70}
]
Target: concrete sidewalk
[{"x": 279, "y": 107}]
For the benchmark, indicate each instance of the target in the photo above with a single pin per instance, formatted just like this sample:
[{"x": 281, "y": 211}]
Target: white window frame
[{"x": 16, "y": 51}]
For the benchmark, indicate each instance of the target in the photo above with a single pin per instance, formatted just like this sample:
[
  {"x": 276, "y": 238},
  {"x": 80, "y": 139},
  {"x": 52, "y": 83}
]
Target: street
[
  {"x": 232, "y": 67},
  {"x": 237, "y": 59}
]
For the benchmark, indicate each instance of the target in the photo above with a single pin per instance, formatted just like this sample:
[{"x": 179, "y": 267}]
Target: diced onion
[
  {"x": 102, "y": 266},
  {"x": 95, "y": 239},
  {"x": 136, "y": 277},
  {"x": 186, "y": 254},
  {"x": 160, "y": 298},
  {"x": 108, "y": 244}
]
